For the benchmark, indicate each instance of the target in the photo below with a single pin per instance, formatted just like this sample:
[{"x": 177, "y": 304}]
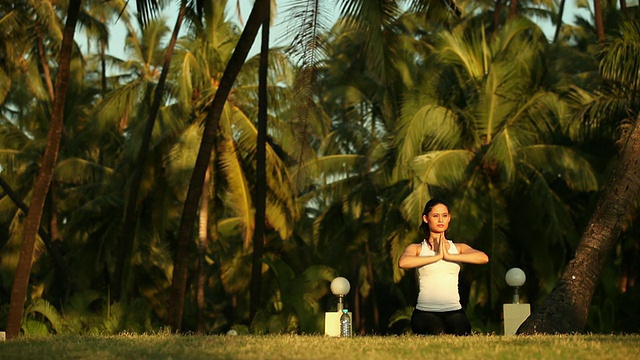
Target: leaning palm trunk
[
  {"x": 565, "y": 310},
  {"x": 126, "y": 245},
  {"x": 45, "y": 175},
  {"x": 556, "y": 35},
  {"x": 179, "y": 283}
]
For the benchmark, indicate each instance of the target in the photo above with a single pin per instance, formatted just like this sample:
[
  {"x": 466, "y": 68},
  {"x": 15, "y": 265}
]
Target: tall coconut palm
[
  {"x": 179, "y": 284},
  {"x": 566, "y": 309},
  {"x": 95, "y": 22},
  {"x": 483, "y": 133},
  {"x": 131, "y": 205},
  {"x": 21, "y": 281},
  {"x": 120, "y": 108},
  {"x": 261, "y": 176}
]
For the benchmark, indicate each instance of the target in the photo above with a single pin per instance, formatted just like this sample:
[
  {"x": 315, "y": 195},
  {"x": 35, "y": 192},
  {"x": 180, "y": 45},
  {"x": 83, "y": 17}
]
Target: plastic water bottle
[{"x": 345, "y": 324}]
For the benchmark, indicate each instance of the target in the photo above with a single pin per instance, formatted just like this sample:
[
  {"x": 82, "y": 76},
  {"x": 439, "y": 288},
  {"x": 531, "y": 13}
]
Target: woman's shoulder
[
  {"x": 417, "y": 245},
  {"x": 414, "y": 247}
]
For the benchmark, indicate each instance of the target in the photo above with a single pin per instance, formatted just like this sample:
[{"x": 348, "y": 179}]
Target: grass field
[{"x": 167, "y": 346}]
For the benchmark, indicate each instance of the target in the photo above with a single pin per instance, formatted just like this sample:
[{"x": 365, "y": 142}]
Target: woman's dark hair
[{"x": 427, "y": 209}]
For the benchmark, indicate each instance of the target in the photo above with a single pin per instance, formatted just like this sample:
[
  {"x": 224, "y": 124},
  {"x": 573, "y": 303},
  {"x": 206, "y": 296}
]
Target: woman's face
[{"x": 437, "y": 219}]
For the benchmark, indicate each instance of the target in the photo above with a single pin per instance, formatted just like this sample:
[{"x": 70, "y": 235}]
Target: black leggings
[{"x": 434, "y": 323}]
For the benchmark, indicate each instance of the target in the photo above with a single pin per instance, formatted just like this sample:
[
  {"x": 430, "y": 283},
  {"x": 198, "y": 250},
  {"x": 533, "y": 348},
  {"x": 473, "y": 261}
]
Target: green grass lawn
[{"x": 167, "y": 346}]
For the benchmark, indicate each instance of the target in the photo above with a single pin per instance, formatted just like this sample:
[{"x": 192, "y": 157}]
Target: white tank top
[{"x": 438, "y": 282}]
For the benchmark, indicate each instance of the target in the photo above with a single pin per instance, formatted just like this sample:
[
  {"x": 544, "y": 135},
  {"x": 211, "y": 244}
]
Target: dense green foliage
[{"x": 518, "y": 133}]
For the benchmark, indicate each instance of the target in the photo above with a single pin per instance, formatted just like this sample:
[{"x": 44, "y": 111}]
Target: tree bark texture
[
  {"x": 566, "y": 309},
  {"x": 44, "y": 178},
  {"x": 191, "y": 204}
]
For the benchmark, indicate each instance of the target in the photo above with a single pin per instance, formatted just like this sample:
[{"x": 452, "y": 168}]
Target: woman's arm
[
  {"x": 411, "y": 258},
  {"x": 466, "y": 254}
]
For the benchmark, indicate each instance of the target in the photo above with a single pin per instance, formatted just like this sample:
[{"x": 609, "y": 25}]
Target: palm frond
[
  {"x": 34, "y": 82},
  {"x": 5, "y": 84},
  {"x": 443, "y": 169},
  {"x": 553, "y": 224},
  {"x": 181, "y": 158},
  {"x": 497, "y": 100},
  {"x": 279, "y": 182},
  {"x": 148, "y": 10},
  {"x": 278, "y": 216},
  {"x": 470, "y": 203},
  {"x": 619, "y": 61},
  {"x": 116, "y": 105},
  {"x": 399, "y": 241},
  {"x": 329, "y": 169},
  {"x": 562, "y": 163},
  {"x": 12, "y": 22},
  {"x": 74, "y": 170},
  {"x": 428, "y": 127},
  {"x": 453, "y": 47},
  {"x": 401, "y": 315},
  {"x": 412, "y": 205},
  {"x": 236, "y": 273},
  {"x": 48, "y": 18},
  {"x": 188, "y": 69},
  {"x": 45, "y": 309},
  {"x": 502, "y": 154},
  {"x": 239, "y": 194},
  {"x": 309, "y": 18}
]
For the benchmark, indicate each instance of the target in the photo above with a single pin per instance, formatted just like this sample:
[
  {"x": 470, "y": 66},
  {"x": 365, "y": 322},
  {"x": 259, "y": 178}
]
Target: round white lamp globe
[
  {"x": 515, "y": 277},
  {"x": 340, "y": 286}
]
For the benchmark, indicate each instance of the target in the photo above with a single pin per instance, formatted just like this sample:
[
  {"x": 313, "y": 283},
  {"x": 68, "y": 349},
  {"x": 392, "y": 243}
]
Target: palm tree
[
  {"x": 130, "y": 217},
  {"x": 118, "y": 110},
  {"x": 346, "y": 192},
  {"x": 34, "y": 215},
  {"x": 179, "y": 284},
  {"x": 97, "y": 14},
  {"x": 484, "y": 132},
  {"x": 566, "y": 309},
  {"x": 261, "y": 176}
]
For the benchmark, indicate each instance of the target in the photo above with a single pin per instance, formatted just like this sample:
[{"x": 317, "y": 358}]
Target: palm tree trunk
[
  {"x": 126, "y": 245},
  {"x": 496, "y": 15},
  {"x": 513, "y": 9},
  {"x": 261, "y": 177},
  {"x": 597, "y": 8},
  {"x": 103, "y": 61},
  {"x": 179, "y": 283},
  {"x": 53, "y": 209},
  {"x": 46, "y": 73},
  {"x": 560, "y": 15},
  {"x": 45, "y": 175},
  {"x": 202, "y": 248},
  {"x": 565, "y": 310}
]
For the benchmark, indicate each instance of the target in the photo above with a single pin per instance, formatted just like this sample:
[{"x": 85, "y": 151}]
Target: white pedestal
[
  {"x": 332, "y": 323},
  {"x": 514, "y": 316}
]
